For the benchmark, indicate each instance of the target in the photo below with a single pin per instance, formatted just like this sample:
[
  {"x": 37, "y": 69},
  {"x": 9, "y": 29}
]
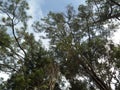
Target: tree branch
[
  {"x": 109, "y": 17},
  {"x": 13, "y": 31},
  {"x": 116, "y": 3},
  {"x": 4, "y": 65}
]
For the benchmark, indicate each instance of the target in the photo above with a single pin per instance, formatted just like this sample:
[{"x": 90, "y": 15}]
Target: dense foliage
[{"x": 81, "y": 48}]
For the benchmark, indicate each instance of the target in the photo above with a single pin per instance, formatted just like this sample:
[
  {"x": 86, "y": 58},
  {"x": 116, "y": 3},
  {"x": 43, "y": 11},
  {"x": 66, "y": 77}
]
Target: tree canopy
[{"x": 81, "y": 48}]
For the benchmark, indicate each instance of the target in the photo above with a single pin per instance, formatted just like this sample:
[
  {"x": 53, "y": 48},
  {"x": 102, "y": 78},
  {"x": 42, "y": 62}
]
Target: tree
[
  {"x": 32, "y": 67},
  {"x": 81, "y": 45},
  {"x": 14, "y": 12},
  {"x": 38, "y": 72},
  {"x": 4, "y": 45}
]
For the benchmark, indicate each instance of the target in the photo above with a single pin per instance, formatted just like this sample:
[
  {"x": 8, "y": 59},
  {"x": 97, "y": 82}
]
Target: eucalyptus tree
[{"x": 81, "y": 43}]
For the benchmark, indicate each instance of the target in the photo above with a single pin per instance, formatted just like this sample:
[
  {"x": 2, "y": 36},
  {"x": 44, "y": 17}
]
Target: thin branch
[
  {"x": 4, "y": 65},
  {"x": 109, "y": 17},
  {"x": 89, "y": 69},
  {"x": 14, "y": 11},
  {"x": 6, "y": 14},
  {"x": 13, "y": 31},
  {"x": 13, "y": 52},
  {"x": 116, "y": 3},
  {"x": 118, "y": 18},
  {"x": 96, "y": 6}
]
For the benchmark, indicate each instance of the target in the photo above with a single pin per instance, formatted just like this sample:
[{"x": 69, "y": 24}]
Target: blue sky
[
  {"x": 58, "y": 5},
  {"x": 40, "y": 8}
]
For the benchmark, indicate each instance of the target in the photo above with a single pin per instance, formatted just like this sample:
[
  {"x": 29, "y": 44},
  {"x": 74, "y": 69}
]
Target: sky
[{"x": 40, "y": 8}]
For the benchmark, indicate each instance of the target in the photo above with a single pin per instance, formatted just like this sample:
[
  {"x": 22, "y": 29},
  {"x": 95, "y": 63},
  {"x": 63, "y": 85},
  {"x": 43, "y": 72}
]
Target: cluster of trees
[{"x": 80, "y": 47}]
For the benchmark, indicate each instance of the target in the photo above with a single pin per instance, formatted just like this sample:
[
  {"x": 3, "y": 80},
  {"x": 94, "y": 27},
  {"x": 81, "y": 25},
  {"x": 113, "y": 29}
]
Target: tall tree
[
  {"x": 81, "y": 45},
  {"x": 38, "y": 72},
  {"x": 33, "y": 66},
  {"x": 14, "y": 15}
]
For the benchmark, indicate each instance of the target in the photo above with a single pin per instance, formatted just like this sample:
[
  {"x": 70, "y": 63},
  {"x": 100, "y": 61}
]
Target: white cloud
[
  {"x": 116, "y": 38},
  {"x": 36, "y": 12},
  {"x": 35, "y": 8},
  {"x": 5, "y": 76}
]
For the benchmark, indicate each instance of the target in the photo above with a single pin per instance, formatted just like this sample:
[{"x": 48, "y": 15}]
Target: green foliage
[
  {"x": 4, "y": 38},
  {"x": 79, "y": 47},
  {"x": 80, "y": 41},
  {"x": 35, "y": 70},
  {"x": 15, "y": 11},
  {"x": 78, "y": 85}
]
